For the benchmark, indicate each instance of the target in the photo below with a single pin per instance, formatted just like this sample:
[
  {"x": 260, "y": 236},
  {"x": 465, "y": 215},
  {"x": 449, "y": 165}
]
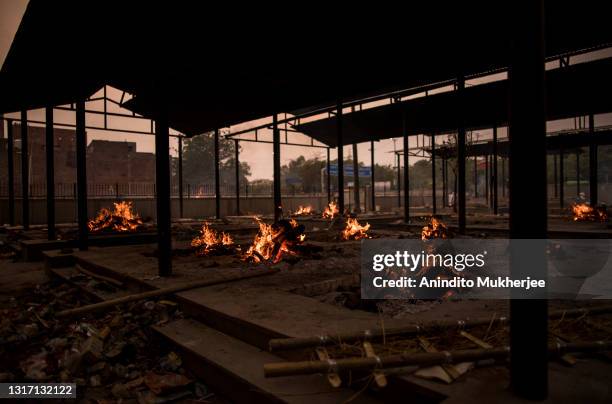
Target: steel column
[
  {"x": 406, "y": 173},
  {"x": 593, "y": 180},
  {"x": 461, "y": 156},
  {"x": 217, "y": 177},
  {"x": 10, "y": 150},
  {"x": 329, "y": 197},
  {"x": 475, "y": 176},
  {"x": 162, "y": 181},
  {"x": 25, "y": 172},
  {"x": 528, "y": 200},
  {"x": 487, "y": 178},
  {"x": 399, "y": 182},
  {"x": 444, "y": 185},
  {"x": 577, "y": 172},
  {"x": 433, "y": 173},
  {"x": 357, "y": 197},
  {"x": 561, "y": 177},
  {"x": 237, "y": 168},
  {"x": 81, "y": 163},
  {"x": 278, "y": 208},
  {"x": 180, "y": 175},
  {"x": 372, "y": 176},
  {"x": 495, "y": 185},
  {"x": 555, "y": 175},
  {"x": 340, "y": 142},
  {"x": 50, "y": 148}
]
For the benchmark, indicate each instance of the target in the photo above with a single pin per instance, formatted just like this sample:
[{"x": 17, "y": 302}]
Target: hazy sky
[{"x": 258, "y": 155}]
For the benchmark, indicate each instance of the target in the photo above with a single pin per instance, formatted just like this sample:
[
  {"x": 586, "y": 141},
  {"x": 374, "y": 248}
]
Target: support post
[
  {"x": 162, "y": 180},
  {"x": 278, "y": 208},
  {"x": 50, "y": 148},
  {"x": 593, "y": 180},
  {"x": 372, "y": 176},
  {"x": 329, "y": 197},
  {"x": 217, "y": 177},
  {"x": 528, "y": 201},
  {"x": 555, "y": 175},
  {"x": 180, "y": 175},
  {"x": 237, "y": 161},
  {"x": 444, "y": 198},
  {"x": 10, "y": 150},
  {"x": 487, "y": 178},
  {"x": 461, "y": 156},
  {"x": 406, "y": 173},
  {"x": 578, "y": 172},
  {"x": 561, "y": 177},
  {"x": 357, "y": 197},
  {"x": 475, "y": 176},
  {"x": 25, "y": 172},
  {"x": 494, "y": 185},
  {"x": 81, "y": 163},
  {"x": 340, "y": 142},
  {"x": 399, "y": 182},
  {"x": 433, "y": 173}
]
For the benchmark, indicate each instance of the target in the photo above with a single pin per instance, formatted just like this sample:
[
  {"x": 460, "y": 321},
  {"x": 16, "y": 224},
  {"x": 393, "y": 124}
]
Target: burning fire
[
  {"x": 355, "y": 231},
  {"x": 274, "y": 240},
  {"x": 586, "y": 212},
  {"x": 303, "y": 210},
  {"x": 211, "y": 242},
  {"x": 435, "y": 229},
  {"x": 121, "y": 219},
  {"x": 331, "y": 210}
]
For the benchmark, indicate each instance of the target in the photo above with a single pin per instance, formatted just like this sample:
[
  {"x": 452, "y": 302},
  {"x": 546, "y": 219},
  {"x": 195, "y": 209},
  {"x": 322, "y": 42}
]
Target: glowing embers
[
  {"x": 121, "y": 219},
  {"x": 331, "y": 211},
  {"x": 211, "y": 242},
  {"x": 275, "y": 240},
  {"x": 435, "y": 229},
  {"x": 584, "y": 212},
  {"x": 303, "y": 211},
  {"x": 355, "y": 231}
]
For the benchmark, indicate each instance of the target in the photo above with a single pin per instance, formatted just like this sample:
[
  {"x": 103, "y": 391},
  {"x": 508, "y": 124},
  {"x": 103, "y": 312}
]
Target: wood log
[
  {"x": 281, "y": 344},
  {"x": 161, "y": 292},
  {"x": 281, "y": 369}
]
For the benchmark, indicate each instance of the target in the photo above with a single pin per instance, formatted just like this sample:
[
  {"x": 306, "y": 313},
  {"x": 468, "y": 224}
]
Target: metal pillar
[
  {"x": 444, "y": 198},
  {"x": 357, "y": 197},
  {"x": 555, "y": 175},
  {"x": 561, "y": 177},
  {"x": 503, "y": 176},
  {"x": 162, "y": 181},
  {"x": 433, "y": 173},
  {"x": 475, "y": 176},
  {"x": 372, "y": 176},
  {"x": 180, "y": 175},
  {"x": 49, "y": 147},
  {"x": 578, "y": 172},
  {"x": 406, "y": 174},
  {"x": 399, "y": 182},
  {"x": 81, "y": 163},
  {"x": 25, "y": 172},
  {"x": 237, "y": 160},
  {"x": 11, "y": 170},
  {"x": 461, "y": 156},
  {"x": 217, "y": 177},
  {"x": 340, "y": 142},
  {"x": 593, "y": 180},
  {"x": 495, "y": 185},
  {"x": 487, "y": 178},
  {"x": 329, "y": 198},
  {"x": 528, "y": 201},
  {"x": 278, "y": 209}
]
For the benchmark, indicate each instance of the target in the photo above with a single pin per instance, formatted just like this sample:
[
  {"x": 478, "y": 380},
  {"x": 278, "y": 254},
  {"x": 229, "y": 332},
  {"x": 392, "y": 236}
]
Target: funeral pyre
[
  {"x": 354, "y": 230},
  {"x": 273, "y": 241},
  {"x": 121, "y": 219},
  {"x": 584, "y": 212},
  {"x": 211, "y": 242},
  {"x": 331, "y": 211}
]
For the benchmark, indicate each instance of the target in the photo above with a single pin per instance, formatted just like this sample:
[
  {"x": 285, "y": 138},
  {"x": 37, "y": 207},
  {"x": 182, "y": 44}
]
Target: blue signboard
[{"x": 348, "y": 170}]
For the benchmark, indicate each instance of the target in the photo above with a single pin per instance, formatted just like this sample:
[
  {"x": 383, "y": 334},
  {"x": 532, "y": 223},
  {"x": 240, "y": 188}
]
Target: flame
[
  {"x": 274, "y": 240},
  {"x": 355, "y": 231},
  {"x": 121, "y": 219},
  {"x": 586, "y": 212},
  {"x": 210, "y": 240},
  {"x": 303, "y": 210},
  {"x": 435, "y": 229},
  {"x": 331, "y": 210}
]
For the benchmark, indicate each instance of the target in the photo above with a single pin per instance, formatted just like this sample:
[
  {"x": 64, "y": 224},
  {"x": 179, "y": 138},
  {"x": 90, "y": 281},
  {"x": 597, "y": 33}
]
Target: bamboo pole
[
  {"x": 161, "y": 292},
  {"x": 282, "y": 344},
  {"x": 281, "y": 369}
]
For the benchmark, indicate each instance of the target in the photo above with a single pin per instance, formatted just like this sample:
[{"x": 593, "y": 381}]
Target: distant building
[{"x": 110, "y": 162}]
